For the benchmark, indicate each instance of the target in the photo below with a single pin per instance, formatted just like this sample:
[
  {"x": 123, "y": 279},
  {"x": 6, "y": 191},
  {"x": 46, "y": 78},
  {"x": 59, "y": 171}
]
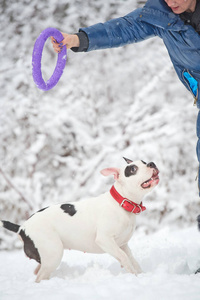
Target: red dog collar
[{"x": 126, "y": 203}]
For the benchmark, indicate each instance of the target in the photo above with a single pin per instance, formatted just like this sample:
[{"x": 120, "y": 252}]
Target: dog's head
[{"x": 134, "y": 180}]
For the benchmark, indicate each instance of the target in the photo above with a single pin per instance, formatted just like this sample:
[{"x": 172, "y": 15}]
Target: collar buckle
[
  {"x": 133, "y": 204},
  {"x": 127, "y": 204}
]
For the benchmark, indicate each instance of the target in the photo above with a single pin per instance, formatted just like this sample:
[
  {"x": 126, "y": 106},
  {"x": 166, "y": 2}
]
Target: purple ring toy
[{"x": 37, "y": 57}]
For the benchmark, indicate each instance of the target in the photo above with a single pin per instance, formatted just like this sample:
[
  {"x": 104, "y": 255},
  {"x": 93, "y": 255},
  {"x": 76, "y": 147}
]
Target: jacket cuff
[
  {"x": 97, "y": 37},
  {"x": 84, "y": 42}
]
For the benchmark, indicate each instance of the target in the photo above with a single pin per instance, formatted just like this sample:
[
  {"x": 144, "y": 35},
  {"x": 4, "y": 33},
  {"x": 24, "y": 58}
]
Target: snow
[{"x": 168, "y": 258}]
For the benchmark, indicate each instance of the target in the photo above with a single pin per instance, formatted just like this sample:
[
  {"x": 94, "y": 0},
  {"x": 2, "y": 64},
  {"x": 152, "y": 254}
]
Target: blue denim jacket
[{"x": 156, "y": 19}]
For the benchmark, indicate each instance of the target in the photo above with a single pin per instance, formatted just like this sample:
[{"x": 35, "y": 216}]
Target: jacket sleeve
[{"x": 118, "y": 32}]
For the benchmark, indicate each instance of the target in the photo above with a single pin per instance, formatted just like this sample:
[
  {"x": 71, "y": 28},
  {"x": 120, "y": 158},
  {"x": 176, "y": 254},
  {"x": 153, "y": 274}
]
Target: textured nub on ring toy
[{"x": 37, "y": 57}]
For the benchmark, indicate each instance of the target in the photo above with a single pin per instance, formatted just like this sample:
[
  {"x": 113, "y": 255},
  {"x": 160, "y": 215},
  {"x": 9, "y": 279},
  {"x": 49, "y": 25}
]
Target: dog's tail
[
  {"x": 10, "y": 226},
  {"x": 198, "y": 220}
]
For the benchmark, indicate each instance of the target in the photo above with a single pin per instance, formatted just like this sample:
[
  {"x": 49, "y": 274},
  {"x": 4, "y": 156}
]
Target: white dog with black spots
[{"x": 95, "y": 225}]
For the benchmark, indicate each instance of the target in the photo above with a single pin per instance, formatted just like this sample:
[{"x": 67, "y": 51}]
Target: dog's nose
[{"x": 151, "y": 165}]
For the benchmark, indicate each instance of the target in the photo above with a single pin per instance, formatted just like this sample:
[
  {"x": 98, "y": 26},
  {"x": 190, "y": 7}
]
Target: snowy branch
[{"x": 11, "y": 184}]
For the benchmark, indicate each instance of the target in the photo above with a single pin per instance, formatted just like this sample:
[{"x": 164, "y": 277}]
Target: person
[{"x": 176, "y": 22}]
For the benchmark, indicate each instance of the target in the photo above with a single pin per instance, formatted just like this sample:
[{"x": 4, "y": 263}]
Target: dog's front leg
[
  {"x": 108, "y": 245},
  {"x": 135, "y": 264}
]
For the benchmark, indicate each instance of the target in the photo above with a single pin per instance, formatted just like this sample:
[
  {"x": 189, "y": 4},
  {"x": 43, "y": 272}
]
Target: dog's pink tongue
[
  {"x": 150, "y": 182},
  {"x": 147, "y": 183}
]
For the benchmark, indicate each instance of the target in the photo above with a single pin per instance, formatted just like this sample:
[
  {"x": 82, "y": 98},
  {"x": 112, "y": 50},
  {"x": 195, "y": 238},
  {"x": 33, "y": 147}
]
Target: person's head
[{"x": 180, "y": 6}]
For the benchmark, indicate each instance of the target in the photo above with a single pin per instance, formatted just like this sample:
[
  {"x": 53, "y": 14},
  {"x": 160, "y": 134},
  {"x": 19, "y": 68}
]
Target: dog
[{"x": 103, "y": 224}]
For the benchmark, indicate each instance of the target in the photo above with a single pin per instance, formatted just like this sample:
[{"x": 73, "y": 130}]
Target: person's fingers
[
  {"x": 68, "y": 40},
  {"x": 53, "y": 40},
  {"x": 56, "y": 46}
]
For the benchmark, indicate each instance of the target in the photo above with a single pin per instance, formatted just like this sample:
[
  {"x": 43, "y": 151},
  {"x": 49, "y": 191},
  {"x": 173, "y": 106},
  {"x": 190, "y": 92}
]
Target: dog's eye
[{"x": 131, "y": 170}]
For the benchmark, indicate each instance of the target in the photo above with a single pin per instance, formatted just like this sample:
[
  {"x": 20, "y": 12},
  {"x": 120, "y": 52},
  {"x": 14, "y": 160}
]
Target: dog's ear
[
  {"x": 111, "y": 171},
  {"x": 127, "y": 160}
]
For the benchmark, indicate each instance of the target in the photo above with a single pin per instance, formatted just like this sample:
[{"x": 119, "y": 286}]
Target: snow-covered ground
[{"x": 168, "y": 258}]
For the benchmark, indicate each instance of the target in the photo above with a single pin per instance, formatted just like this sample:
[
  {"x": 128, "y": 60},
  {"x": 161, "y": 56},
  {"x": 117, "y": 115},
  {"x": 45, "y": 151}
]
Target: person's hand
[{"x": 70, "y": 41}]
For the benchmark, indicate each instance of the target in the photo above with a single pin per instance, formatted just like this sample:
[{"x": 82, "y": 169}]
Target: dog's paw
[
  {"x": 139, "y": 271},
  {"x": 136, "y": 267}
]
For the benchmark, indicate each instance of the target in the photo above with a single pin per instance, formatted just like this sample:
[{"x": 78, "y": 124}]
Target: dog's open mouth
[{"x": 152, "y": 181}]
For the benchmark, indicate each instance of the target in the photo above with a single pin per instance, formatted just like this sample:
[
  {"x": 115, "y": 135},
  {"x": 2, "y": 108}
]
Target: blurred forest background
[{"x": 108, "y": 104}]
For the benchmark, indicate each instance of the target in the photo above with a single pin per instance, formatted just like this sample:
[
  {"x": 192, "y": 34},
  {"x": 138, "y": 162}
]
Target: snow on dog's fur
[{"x": 95, "y": 225}]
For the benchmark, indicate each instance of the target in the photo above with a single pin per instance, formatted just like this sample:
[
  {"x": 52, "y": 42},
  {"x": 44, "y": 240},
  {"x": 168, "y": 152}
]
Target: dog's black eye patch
[
  {"x": 130, "y": 170},
  {"x": 143, "y": 162},
  {"x": 69, "y": 209}
]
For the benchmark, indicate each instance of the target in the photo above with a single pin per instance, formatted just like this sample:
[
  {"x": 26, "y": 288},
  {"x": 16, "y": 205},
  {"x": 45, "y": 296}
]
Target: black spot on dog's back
[
  {"x": 39, "y": 211},
  {"x": 29, "y": 247},
  {"x": 42, "y": 209},
  {"x": 69, "y": 209}
]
